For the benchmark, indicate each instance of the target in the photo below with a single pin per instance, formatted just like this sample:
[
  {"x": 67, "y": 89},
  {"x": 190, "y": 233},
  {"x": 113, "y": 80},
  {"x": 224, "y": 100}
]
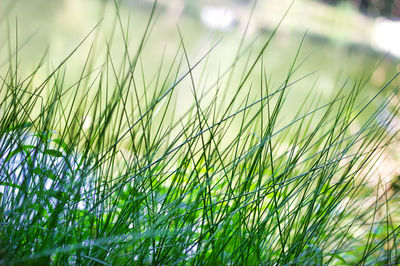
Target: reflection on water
[{"x": 386, "y": 36}]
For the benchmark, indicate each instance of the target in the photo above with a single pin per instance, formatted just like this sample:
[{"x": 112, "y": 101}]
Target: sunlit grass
[{"x": 114, "y": 167}]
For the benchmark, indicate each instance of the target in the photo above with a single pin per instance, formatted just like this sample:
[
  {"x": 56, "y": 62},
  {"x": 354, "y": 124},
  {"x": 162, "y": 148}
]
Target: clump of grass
[{"x": 224, "y": 182}]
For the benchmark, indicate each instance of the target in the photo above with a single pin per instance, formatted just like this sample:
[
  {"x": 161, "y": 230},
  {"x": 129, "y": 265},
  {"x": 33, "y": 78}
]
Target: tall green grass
[{"x": 111, "y": 169}]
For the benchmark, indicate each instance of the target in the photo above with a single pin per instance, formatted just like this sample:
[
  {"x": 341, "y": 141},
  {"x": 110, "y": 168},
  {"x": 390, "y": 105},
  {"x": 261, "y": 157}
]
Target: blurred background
[
  {"x": 342, "y": 36},
  {"x": 345, "y": 40}
]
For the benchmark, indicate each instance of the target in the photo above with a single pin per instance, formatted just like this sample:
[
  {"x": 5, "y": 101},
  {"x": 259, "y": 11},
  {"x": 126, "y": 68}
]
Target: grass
[{"x": 115, "y": 169}]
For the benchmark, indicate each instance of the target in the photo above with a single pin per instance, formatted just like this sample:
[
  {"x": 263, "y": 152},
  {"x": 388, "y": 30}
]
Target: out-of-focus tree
[{"x": 387, "y": 8}]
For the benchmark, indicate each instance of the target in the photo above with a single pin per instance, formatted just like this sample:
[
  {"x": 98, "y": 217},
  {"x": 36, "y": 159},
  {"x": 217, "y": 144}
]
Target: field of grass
[{"x": 135, "y": 147}]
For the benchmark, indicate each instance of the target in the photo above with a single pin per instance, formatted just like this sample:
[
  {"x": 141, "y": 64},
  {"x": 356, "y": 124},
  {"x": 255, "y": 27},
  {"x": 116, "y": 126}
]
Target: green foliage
[{"x": 227, "y": 181}]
